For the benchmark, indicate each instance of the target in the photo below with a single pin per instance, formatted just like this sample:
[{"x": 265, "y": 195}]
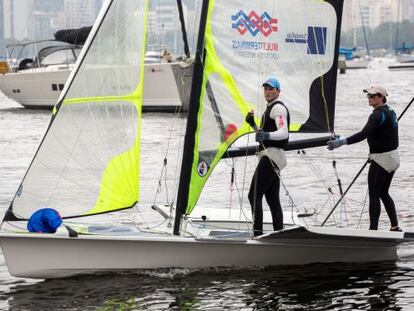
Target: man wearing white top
[{"x": 273, "y": 137}]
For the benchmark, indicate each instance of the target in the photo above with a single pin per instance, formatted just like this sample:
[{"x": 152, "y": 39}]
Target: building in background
[
  {"x": 164, "y": 27},
  {"x": 407, "y": 10},
  {"x": 80, "y": 13},
  {"x": 40, "y": 19},
  {"x": 375, "y": 12},
  {"x": 46, "y": 17},
  {"x": 17, "y": 17}
]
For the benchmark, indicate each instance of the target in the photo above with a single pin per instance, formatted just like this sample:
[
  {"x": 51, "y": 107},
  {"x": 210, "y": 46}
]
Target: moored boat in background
[{"x": 36, "y": 73}]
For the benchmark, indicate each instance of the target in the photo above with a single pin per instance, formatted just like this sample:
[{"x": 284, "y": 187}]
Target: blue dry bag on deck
[{"x": 45, "y": 220}]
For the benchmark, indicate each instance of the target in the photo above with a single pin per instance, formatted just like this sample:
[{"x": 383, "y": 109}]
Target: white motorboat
[
  {"x": 38, "y": 82},
  {"x": 89, "y": 162}
]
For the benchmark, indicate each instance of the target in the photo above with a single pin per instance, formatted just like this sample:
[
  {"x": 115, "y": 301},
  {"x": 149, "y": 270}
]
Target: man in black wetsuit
[
  {"x": 273, "y": 137},
  {"x": 381, "y": 132}
]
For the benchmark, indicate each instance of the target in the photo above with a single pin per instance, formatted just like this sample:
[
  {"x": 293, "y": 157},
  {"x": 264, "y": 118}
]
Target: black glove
[{"x": 250, "y": 119}]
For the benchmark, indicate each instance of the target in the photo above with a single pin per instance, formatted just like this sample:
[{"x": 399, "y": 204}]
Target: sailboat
[
  {"x": 353, "y": 61},
  {"x": 88, "y": 162}
]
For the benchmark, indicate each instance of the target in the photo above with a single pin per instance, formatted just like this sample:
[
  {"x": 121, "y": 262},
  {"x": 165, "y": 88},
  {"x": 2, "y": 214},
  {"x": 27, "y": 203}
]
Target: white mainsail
[{"x": 88, "y": 161}]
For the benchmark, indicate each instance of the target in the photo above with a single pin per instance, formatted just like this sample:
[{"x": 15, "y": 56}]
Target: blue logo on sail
[{"x": 315, "y": 39}]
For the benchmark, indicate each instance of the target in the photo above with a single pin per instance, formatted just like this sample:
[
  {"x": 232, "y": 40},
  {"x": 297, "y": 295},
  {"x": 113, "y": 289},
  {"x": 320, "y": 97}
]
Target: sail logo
[
  {"x": 253, "y": 23},
  {"x": 202, "y": 169},
  {"x": 315, "y": 39}
]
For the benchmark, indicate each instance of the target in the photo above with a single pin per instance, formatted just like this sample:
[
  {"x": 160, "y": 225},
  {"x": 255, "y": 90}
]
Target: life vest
[
  {"x": 269, "y": 125},
  {"x": 385, "y": 137}
]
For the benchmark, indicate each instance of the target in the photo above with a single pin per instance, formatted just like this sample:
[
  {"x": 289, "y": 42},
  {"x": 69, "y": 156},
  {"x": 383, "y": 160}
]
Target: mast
[
  {"x": 363, "y": 28},
  {"x": 192, "y": 122},
  {"x": 183, "y": 30},
  {"x": 397, "y": 28}
]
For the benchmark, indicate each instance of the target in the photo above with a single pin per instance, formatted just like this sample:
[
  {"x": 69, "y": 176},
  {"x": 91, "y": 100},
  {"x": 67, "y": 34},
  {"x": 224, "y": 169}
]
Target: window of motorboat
[{"x": 67, "y": 56}]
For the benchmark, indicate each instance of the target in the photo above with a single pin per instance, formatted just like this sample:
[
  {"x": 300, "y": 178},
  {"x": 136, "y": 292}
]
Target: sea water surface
[{"x": 373, "y": 286}]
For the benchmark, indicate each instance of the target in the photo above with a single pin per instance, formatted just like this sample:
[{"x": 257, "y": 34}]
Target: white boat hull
[
  {"x": 40, "y": 88},
  {"x": 54, "y": 256},
  {"x": 405, "y": 58},
  {"x": 357, "y": 63}
]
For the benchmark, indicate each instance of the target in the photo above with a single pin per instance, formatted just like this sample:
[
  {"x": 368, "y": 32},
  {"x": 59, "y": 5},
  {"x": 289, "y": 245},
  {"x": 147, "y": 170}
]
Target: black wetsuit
[
  {"x": 381, "y": 131},
  {"x": 265, "y": 181}
]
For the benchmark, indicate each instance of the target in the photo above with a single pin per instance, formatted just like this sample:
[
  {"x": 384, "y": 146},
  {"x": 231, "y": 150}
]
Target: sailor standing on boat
[
  {"x": 273, "y": 137},
  {"x": 381, "y": 132}
]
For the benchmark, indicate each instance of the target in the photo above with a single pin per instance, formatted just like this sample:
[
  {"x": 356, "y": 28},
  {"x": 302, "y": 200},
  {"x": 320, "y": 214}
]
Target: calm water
[{"x": 379, "y": 286}]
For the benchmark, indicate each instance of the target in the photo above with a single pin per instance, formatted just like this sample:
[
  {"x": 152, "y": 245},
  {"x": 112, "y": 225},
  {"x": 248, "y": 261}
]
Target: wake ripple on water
[{"x": 381, "y": 286}]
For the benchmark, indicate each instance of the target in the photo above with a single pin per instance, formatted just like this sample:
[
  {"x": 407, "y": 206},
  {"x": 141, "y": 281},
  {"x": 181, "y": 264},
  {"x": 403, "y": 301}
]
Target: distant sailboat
[
  {"x": 404, "y": 53},
  {"x": 353, "y": 60},
  {"x": 89, "y": 160}
]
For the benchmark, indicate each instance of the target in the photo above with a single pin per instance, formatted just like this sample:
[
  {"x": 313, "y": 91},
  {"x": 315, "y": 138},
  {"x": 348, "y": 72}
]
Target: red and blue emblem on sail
[{"x": 253, "y": 23}]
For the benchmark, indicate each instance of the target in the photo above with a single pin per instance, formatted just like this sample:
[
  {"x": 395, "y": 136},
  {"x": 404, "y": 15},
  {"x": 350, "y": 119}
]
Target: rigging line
[
  {"x": 143, "y": 229},
  {"x": 165, "y": 183},
  {"x": 360, "y": 171},
  {"x": 177, "y": 164},
  {"x": 231, "y": 189},
  {"x": 341, "y": 192},
  {"x": 304, "y": 155},
  {"x": 293, "y": 205},
  {"x": 363, "y": 208},
  {"x": 329, "y": 199},
  {"x": 165, "y": 160},
  {"x": 240, "y": 193},
  {"x": 276, "y": 170},
  {"x": 243, "y": 187},
  {"x": 242, "y": 215},
  {"x": 325, "y": 103}
]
